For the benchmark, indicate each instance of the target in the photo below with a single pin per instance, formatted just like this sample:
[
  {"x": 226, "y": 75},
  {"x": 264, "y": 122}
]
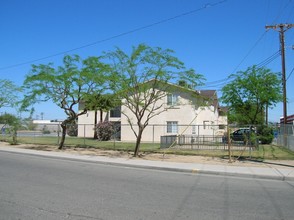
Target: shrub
[
  {"x": 72, "y": 130},
  {"x": 104, "y": 130},
  {"x": 265, "y": 134},
  {"x": 30, "y": 125},
  {"x": 13, "y": 123},
  {"x": 46, "y": 132}
]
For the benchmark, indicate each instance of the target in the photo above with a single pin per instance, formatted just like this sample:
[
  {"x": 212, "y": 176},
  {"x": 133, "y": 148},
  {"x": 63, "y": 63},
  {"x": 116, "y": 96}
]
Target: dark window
[
  {"x": 115, "y": 113},
  {"x": 221, "y": 126}
]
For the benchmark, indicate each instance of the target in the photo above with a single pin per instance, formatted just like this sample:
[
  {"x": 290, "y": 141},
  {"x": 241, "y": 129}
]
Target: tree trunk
[
  {"x": 14, "y": 137},
  {"x": 138, "y": 141},
  {"x": 63, "y": 126},
  {"x": 95, "y": 126},
  {"x": 101, "y": 115},
  {"x": 95, "y": 123},
  {"x": 266, "y": 114}
]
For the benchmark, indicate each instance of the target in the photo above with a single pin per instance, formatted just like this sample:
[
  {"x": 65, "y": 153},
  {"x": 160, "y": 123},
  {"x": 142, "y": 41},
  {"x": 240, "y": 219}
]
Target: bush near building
[{"x": 104, "y": 130}]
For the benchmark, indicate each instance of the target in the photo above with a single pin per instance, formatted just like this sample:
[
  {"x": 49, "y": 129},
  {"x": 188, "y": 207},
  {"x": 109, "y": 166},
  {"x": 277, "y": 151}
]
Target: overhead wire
[
  {"x": 281, "y": 11},
  {"x": 222, "y": 82},
  {"x": 244, "y": 58},
  {"x": 118, "y": 35},
  {"x": 261, "y": 64},
  {"x": 290, "y": 13},
  {"x": 269, "y": 59},
  {"x": 251, "y": 49},
  {"x": 290, "y": 74}
]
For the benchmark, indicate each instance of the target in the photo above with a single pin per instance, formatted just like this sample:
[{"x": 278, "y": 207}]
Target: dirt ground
[{"x": 154, "y": 156}]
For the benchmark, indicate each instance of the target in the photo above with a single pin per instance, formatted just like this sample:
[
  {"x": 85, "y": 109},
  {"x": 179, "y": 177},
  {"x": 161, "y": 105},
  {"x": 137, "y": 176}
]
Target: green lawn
[
  {"x": 84, "y": 143},
  {"x": 274, "y": 153},
  {"x": 264, "y": 152}
]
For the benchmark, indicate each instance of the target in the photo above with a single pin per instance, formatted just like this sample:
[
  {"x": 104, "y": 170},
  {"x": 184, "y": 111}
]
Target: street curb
[
  {"x": 198, "y": 171},
  {"x": 159, "y": 168}
]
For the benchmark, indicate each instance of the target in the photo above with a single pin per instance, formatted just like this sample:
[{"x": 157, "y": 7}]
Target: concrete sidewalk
[{"x": 271, "y": 171}]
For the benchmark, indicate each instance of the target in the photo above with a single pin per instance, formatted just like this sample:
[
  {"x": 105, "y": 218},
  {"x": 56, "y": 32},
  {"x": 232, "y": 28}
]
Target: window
[
  {"x": 172, "y": 127},
  {"x": 115, "y": 112},
  {"x": 172, "y": 99},
  {"x": 205, "y": 124},
  {"x": 221, "y": 126},
  {"x": 193, "y": 129}
]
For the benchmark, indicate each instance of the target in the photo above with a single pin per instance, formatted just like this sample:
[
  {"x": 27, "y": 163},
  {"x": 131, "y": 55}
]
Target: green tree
[
  {"x": 101, "y": 103},
  {"x": 28, "y": 122},
  {"x": 250, "y": 93},
  {"x": 137, "y": 78},
  {"x": 9, "y": 93},
  {"x": 65, "y": 85},
  {"x": 13, "y": 123}
]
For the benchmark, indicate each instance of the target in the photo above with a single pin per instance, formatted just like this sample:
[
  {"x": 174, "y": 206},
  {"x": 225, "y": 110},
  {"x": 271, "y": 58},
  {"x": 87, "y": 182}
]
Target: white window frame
[
  {"x": 172, "y": 99},
  {"x": 172, "y": 127},
  {"x": 205, "y": 124}
]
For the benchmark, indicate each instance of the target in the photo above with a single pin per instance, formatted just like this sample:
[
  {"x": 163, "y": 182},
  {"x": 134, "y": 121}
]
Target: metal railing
[
  {"x": 212, "y": 137},
  {"x": 202, "y": 142}
]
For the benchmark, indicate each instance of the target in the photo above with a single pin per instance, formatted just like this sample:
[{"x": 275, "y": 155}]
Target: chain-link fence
[
  {"x": 284, "y": 135},
  {"x": 214, "y": 138},
  {"x": 48, "y": 133},
  {"x": 194, "y": 137}
]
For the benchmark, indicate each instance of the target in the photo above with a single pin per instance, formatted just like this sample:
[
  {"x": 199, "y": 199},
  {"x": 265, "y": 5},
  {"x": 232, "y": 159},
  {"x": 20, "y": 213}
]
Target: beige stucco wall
[
  {"x": 86, "y": 123},
  {"x": 189, "y": 116},
  {"x": 223, "y": 120}
]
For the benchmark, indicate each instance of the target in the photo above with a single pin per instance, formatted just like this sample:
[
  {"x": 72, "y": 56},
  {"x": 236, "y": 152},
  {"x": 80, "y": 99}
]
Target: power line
[
  {"x": 260, "y": 38},
  {"x": 220, "y": 83},
  {"x": 119, "y": 35},
  {"x": 269, "y": 59},
  {"x": 261, "y": 64},
  {"x": 249, "y": 52},
  {"x": 217, "y": 81},
  {"x": 281, "y": 12},
  {"x": 290, "y": 74}
]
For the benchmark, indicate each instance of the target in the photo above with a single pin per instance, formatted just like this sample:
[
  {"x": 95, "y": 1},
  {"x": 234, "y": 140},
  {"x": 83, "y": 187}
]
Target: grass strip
[{"x": 264, "y": 152}]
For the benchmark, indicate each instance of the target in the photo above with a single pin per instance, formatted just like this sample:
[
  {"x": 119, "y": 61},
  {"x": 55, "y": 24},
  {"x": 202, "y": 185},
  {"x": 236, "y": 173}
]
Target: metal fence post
[
  {"x": 198, "y": 136},
  {"x": 229, "y": 144},
  {"x": 58, "y": 133},
  {"x": 153, "y": 134},
  {"x": 84, "y": 135}
]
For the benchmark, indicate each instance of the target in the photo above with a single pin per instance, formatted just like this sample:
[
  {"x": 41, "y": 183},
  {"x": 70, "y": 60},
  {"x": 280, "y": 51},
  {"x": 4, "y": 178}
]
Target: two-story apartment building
[{"x": 183, "y": 111}]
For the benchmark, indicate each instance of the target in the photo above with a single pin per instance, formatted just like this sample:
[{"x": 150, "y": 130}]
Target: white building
[{"x": 183, "y": 111}]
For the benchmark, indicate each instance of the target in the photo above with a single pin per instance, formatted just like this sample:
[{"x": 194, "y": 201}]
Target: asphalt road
[{"x": 34, "y": 188}]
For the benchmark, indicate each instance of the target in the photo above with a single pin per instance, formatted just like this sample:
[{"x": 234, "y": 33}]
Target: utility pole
[{"x": 282, "y": 28}]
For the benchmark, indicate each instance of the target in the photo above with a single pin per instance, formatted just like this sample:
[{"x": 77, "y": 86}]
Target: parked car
[{"x": 242, "y": 134}]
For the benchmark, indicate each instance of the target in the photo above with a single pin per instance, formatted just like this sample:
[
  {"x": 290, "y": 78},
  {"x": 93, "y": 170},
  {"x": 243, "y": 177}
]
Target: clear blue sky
[{"x": 217, "y": 38}]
